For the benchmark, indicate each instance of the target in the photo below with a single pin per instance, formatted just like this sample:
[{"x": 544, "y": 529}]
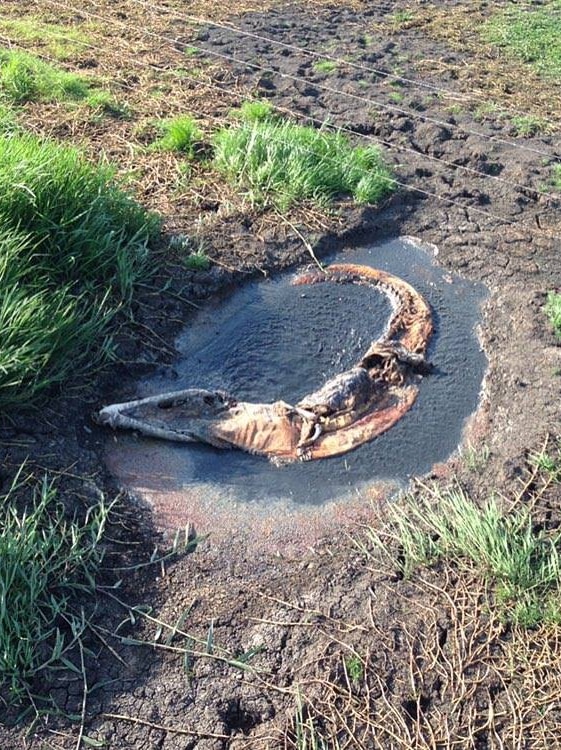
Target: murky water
[{"x": 270, "y": 340}]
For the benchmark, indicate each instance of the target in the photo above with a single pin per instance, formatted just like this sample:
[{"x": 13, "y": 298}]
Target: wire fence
[
  {"x": 173, "y": 43},
  {"x": 339, "y": 61},
  {"x": 528, "y": 190}
]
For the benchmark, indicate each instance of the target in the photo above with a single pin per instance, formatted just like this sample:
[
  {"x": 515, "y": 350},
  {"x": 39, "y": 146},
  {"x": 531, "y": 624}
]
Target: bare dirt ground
[{"x": 246, "y": 648}]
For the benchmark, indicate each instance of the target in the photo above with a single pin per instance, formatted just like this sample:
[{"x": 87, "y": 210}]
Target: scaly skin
[{"x": 349, "y": 410}]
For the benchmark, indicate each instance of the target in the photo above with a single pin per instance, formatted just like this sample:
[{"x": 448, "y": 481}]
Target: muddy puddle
[{"x": 270, "y": 340}]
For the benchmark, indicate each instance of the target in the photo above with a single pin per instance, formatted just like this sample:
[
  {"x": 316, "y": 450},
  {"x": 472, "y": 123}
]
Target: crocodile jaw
[
  {"x": 212, "y": 417},
  {"x": 180, "y": 415}
]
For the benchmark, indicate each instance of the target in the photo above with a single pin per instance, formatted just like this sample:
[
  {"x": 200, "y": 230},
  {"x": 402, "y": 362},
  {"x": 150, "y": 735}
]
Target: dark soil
[{"x": 431, "y": 663}]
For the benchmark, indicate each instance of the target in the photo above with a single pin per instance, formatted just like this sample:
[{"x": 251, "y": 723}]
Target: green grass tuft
[
  {"x": 190, "y": 252},
  {"x": 528, "y": 125},
  {"x": 532, "y": 35},
  {"x": 254, "y": 111},
  {"x": 84, "y": 227},
  {"x": 48, "y": 564},
  {"x": 548, "y": 462},
  {"x": 72, "y": 244},
  {"x": 179, "y": 134},
  {"x": 475, "y": 457},
  {"x": 104, "y": 102},
  {"x": 325, "y": 66},
  {"x": 401, "y": 18},
  {"x": 354, "y": 667},
  {"x": 197, "y": 261},
  {"x": 8, "y": 121},
  {"x": 278, "y": 162},
  {"x": 25, "y": 78},
  {"x": 555, "y": 179},
  {"x": 307, "y": 735},
  {"x": 521, "y": 565},
  {"x": 553, "y": 311}
]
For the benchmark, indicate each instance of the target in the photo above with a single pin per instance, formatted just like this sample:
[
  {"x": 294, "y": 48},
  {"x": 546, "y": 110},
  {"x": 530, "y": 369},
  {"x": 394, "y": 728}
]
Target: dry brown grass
[
  {"x": 424, "y": 664},
  {"x": 447, "y": 674},
  {"x": 428, "y": 663}
]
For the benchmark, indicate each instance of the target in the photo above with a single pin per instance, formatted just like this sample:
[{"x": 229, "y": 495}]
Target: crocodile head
[{"x": 180, "y": 415}]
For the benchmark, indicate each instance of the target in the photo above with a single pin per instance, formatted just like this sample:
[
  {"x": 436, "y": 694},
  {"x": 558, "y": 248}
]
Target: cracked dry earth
[{"x": 252, "y": 647}]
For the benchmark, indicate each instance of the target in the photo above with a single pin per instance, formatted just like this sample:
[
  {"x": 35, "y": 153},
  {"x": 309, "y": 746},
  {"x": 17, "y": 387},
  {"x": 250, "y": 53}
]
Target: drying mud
[{"x": 244, "y": 644}]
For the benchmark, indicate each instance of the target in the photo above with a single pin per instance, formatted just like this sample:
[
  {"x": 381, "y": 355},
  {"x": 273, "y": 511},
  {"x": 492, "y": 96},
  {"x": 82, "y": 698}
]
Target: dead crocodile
[{"x": 347, "y": 411}]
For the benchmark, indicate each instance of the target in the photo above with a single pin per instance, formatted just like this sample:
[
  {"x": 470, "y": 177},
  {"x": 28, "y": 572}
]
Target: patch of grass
[
  {"x": 197, "y": 261},
  {"x": 455, "y": 109},
  {"x": 278, "y": 162},
  {"x": 24, "y": 78},
  {"x": 254, "y": 110},
  {"x": 85, "y": 229},
  {"x": 555, "y": 181},
  {"x": 306, "y": 734},
  {"x": 533, "y": 35},
  {"x": 401, "y": 19},
  {"x": 325, "y": 66},
  {"x": 553, "y": 311},
  {"x": 62, "y": 42},
  {"x": 47, "y": 332},
  {"x": 524, "y": 125},
  {"x": 488, "y": 110},
  {"x": 48, "y": 564},
  {"x": 521, "y": 565},
  {"x": 179, "y": 76},
  {"x": 547, "y": 463},
  {"x": 72, "y": 243},
  {"x": 179, "y": 134},
  {"x": 8, "y": 121},
  {"x": 191, "y": 252},
  {"x": 104, "y": 102},
  {"x": 355, "y": 668},
  {"x": 27, "y": 78},
  {"x": 476, "y": 457},
  {"x": 528, "y": 125}
]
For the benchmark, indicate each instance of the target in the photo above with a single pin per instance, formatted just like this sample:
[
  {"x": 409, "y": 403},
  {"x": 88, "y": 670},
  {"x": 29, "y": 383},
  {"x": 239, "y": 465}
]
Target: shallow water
[{"x": 270, "y": 340}]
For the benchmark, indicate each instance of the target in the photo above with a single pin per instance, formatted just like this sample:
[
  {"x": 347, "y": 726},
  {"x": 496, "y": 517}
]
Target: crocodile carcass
[{"x": 347, "y": 411}]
